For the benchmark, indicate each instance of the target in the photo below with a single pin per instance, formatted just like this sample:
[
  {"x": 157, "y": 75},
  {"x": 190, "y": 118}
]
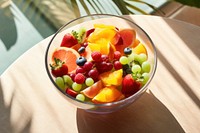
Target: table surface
[{"x": 28, "y": 102}]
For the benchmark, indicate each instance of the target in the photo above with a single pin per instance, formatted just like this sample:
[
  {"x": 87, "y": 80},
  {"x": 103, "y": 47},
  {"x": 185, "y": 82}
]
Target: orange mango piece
[
  {"x": 112, "y": 50},
  {"x": 140, "y": 48},
  {"x": 104, "y": 26},
  {"x": 136, "y": 42},
  {"x": 99, "y": 33},
  {"x": 101, "y": 45},
  {"x": 112, "y": 78},
  {"x": 108, "y": 94}
]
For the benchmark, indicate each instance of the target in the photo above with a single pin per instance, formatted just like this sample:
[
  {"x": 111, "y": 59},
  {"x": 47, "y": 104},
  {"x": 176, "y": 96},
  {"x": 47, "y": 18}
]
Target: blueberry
[
  {"x": 81, "y": 61},
  {"x": 127, "y": 51},
  {"x": 81, "y": 50}
]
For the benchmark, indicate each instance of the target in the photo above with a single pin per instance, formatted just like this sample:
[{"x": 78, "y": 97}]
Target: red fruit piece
[
  {"x": 68, "y": 40},
  {"x": 117, "y": 65},
  {"x": 101, "y": 66},
  {"x": 71, "y": 92},
  {"x": 89, "y": 32},
  {"x": 128, "y": 36},
  {"x": 58, "y": 68},
  {"x": 80, "y": 70},
  {"x": 79, "y": 78},
  {"x": 72, "y": 75},
  {"x": 96, "y": 56},
  {"x": 117, "y": 40},
  {"x": 129, "y": 85},
  {"x": 104, "y": 57},
  {"x": 109, "y": 66},
  {"x": 94, "y": 74},
  {"x": 117, "y": 55},
  {"x": 88, "y": 66}
]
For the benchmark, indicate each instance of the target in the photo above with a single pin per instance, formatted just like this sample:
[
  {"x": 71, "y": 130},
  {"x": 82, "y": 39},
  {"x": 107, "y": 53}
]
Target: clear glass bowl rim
[{"x": 111, "y": 103}]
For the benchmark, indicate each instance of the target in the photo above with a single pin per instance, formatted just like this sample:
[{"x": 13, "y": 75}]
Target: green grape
[
  {"x": 136, "y": 57},
  {"x": 146, "y": 67},
  {"x": 76, "y": 87},
  {"x": 68, "y": 80},
  {"x": 131, "y": 57},
  {"x": 136, "y": 68},
  {"x": 145, "y": 77},
  {"x": 80, "y": 97},
  {"x": 138, "y": 75},
  {"x": 123, "y": 60},
  {"x": 60, "y": 83},
  {"x": 89, "y": 81},
  {"x": 142, "y": 57}
]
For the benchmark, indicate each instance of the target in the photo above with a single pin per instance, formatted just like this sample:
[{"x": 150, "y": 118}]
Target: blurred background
[{"x": 24, "y": 23}]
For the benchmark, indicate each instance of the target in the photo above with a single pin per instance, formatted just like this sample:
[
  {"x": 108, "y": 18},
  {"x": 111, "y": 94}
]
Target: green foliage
[{"x": 195, "y": 3}]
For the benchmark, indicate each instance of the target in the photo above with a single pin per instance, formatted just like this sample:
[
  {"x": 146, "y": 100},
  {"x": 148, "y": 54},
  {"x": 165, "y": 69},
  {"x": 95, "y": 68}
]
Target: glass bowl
[{"x": 87, "y": 22}]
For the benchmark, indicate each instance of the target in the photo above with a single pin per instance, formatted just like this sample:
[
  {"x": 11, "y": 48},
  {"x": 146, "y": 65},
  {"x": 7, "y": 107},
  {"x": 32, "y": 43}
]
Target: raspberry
[
  {"x": 96, "y": 56},
  {"x": 79, "y": 78}
]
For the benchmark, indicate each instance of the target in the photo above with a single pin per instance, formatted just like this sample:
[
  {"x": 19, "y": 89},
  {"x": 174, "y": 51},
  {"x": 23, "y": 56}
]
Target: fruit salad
[{"x": 100, "y": 65}]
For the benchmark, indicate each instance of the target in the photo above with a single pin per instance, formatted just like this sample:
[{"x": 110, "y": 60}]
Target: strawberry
[
  {"x": 58, "y": 68},
  {"x": 68, "y": 40},
  {"x": 129, "y": 85}
]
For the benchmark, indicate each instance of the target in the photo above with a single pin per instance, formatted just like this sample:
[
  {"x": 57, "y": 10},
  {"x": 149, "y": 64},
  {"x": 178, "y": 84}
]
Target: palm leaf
[
  {"x": 97, "y": 6},
  {"x": 75, "y": 8},
  {"x": 195, "y": 3},
  {"x": 93, "y": 7},
  {"x": 135, "y": 8},
  {"x": 85, "y": 7},
  {"x": 122, "y": 6},
  {"x": 151, "y": 6}
]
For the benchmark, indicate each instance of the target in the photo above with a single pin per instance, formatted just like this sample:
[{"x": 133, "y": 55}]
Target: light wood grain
[{"x": 28, "y": 103}]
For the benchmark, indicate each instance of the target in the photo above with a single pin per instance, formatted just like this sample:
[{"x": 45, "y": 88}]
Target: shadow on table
[
  {"x": 190, "y": 42},
  {"x": 147, "y": 114},
  {"x": 6, "y": 126}
]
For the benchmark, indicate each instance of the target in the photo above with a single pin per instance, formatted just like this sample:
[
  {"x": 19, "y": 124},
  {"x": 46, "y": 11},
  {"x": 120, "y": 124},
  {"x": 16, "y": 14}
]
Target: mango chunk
[
  {"x": 112, "y": 78},
  {"x": 108, "y": 94}
]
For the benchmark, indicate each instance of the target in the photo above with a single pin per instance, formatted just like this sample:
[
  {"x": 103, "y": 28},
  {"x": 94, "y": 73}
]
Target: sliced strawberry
[
  {"x": 68, "y": 40},
  {"x": 129, "y": 85},
  {"x": 58, "y": 68}
]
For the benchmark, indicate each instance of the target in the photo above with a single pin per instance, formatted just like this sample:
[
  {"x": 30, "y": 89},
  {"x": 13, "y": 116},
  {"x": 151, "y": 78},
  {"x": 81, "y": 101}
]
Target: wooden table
[{"x": 28, "y": 102}]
